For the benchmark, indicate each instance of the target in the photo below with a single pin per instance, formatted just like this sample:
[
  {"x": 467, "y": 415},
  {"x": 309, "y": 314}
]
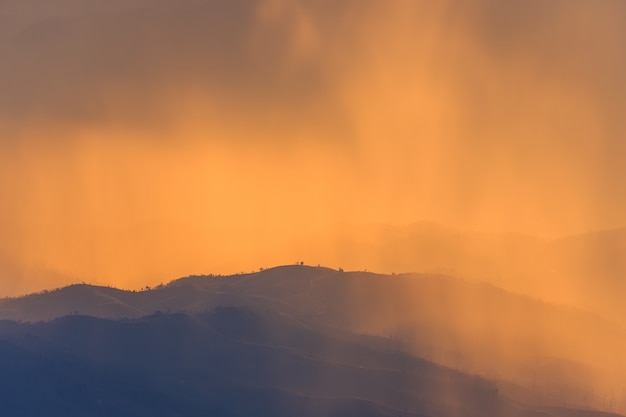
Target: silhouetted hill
[
  {"x": 560, "y": 355},
  {"x": 584, "y": 270},
  {"x": 227, "y": 362}
]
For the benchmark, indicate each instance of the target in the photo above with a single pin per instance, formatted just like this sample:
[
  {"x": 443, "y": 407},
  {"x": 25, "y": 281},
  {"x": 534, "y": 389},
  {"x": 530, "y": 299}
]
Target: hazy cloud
[
  {"x": 264, "y": 119},
  {"x": 142, "y": 65}
]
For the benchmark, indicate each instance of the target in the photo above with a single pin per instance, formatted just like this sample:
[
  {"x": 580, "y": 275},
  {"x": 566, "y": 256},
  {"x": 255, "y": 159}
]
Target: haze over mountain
[
  {"x": 230, "y": 362},
  {"x": 584, "y": 270},
  {"x": 543, "y": 354}
]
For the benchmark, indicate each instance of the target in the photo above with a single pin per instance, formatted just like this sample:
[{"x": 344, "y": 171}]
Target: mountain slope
[
  {"x": 559, "y": 354},
  {"x": 229, "y": 362},
  {"x": 585, "y": 270}
]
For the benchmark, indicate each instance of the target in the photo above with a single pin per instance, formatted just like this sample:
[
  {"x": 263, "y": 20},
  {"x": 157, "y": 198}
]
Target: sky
[{"x": 141, "y": 140}]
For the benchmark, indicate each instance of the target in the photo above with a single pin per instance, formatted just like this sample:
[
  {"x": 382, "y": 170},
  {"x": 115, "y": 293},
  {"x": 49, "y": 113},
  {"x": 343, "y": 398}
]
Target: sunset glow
[
  {"x": 169, "y": 146},
  {"x": 313, "y": 207}
]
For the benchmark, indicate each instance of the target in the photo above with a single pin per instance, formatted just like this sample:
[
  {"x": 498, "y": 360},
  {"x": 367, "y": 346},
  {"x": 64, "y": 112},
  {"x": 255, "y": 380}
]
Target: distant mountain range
[
  {"x": 539, "y": 354},
  {"x": 585, "y": 270}
]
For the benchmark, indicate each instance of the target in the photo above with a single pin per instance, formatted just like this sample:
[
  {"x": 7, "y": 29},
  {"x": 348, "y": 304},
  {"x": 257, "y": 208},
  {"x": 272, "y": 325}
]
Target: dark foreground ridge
[
  {"x": 291, "y": 341},
  {"x": 227, "y": 362}
]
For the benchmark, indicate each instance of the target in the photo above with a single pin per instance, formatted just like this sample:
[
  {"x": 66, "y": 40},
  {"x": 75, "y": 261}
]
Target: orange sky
[{"x": 142, "y": 140}]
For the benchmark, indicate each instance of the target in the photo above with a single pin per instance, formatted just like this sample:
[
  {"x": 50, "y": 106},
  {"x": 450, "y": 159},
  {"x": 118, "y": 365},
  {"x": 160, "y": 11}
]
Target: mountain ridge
[
  {"x": 475, "y": 327},
  {"x": 161, "y": 363}
]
